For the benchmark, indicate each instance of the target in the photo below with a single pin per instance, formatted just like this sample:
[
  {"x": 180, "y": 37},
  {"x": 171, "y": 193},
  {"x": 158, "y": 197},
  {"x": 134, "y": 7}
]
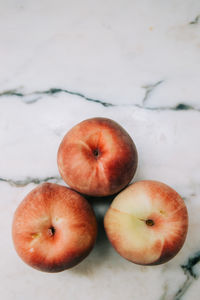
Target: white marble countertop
[{"x": 137, "y": 62}]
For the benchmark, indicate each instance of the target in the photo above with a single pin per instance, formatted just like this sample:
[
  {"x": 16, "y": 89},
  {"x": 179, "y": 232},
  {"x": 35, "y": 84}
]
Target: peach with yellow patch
[
  {"x": 147, "y": 223},
  {"x": 54, "y": 228},
  {"x": 97, "y": 157}
]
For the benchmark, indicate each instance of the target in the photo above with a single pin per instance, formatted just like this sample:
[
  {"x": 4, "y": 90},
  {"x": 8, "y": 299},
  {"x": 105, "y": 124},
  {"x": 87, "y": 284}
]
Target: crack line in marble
[
  {"x": 188, "y": 267},
  {"x": 53, "y": 91},
  {"x": 149, "y": 89},
  {"x": 190, "y": 273},
  {"x": 165, "y": 290},
  {"x": 178, "y": 107},
  {"x": 11, "y": 93},
  {"x": 195, "y": 21},
  {"x": 28, "y": 180}
]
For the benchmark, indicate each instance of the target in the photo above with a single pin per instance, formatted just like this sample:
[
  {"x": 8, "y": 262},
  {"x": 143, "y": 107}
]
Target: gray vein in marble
[
  {"x": 33, "y": 97},
  {"x": 195, "y": 21},
  {"x": 164, "y": 295},
  {"x": 29, "y": 98},
  {"x": 28, "y": 180},
  {"x": 180, "y": 106},
  {"x": 149, "y": 89},
  {"x": 192, "y": 262},
  {"x": 188, "y": 269},
  {"x": 11, "y": 93},
  {"x": 187, "y": 283}
]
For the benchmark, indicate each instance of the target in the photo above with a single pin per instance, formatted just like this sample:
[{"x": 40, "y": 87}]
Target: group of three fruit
[{"x": 54, "y": 227}]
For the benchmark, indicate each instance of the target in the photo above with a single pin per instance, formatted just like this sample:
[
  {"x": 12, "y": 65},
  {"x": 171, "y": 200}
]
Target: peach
[
  {"x": 54, "y": 228},
  {"x": 147, "y": 223},
  {"x": 97, "y": 157}
]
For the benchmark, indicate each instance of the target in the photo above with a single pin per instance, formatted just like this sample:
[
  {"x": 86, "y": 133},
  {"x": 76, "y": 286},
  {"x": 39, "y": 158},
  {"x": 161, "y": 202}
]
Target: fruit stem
[
  {"x": 51, "y": 231},
  {"x": 150, "y": 222},
  {"x": 96, "y": 152}
]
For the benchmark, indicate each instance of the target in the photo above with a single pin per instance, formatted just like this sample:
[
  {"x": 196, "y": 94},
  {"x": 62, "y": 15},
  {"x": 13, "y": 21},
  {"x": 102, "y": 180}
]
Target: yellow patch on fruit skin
[
  {"x": 162, "y": 212},
  {"x": 57, "y": 220},
  {"x": 36, "y": 235},
  {"x": 124, "y": 231}
]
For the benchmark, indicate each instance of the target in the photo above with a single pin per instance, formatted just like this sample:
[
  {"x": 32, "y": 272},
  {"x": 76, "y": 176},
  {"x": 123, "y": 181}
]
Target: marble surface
[{"x": 137, "y": 62}]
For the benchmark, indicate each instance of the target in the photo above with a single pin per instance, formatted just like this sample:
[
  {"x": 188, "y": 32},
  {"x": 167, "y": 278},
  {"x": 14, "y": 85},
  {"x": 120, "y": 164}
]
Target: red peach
[
  {"x": 54, "y": 228},
  {"x": 97, "y": 157},
  {"x": 147, "y": 223}
]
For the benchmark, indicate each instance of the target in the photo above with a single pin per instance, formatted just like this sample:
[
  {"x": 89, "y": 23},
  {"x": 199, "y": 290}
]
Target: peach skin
[
  {"x": 97, "y": 157},
  {"x": 147, "y": 223},
  {"x": 54, "y": 228}
]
